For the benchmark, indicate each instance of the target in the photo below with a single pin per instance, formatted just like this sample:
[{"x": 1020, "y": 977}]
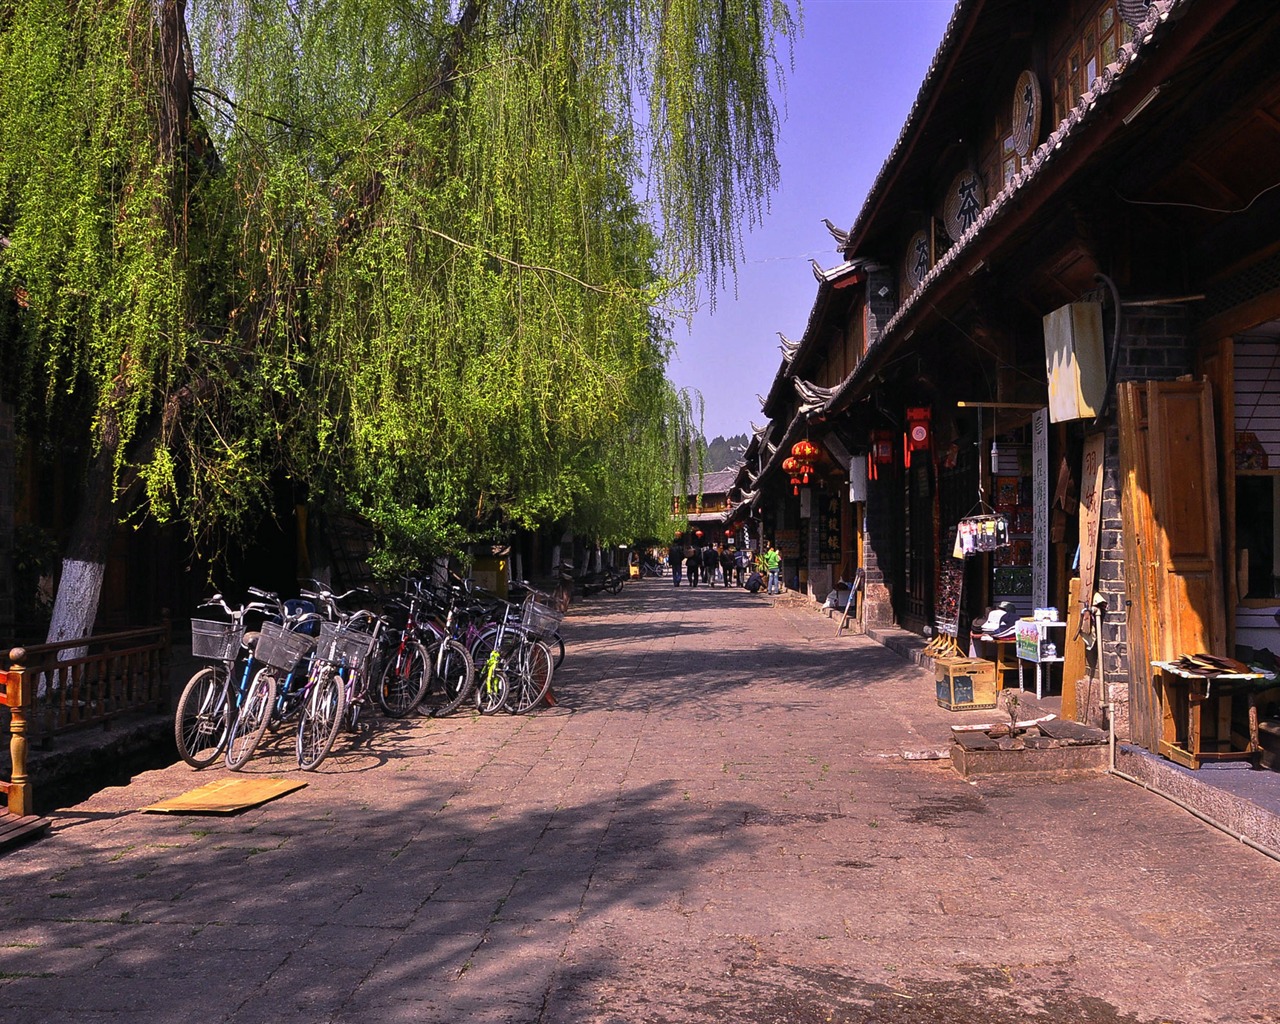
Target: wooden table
[
  {"x": 1196, "y": 711},
  {"x": 1005, "y": 660}
]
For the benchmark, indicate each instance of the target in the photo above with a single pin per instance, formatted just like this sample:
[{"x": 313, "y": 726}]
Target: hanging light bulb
[{"x": 995, "y": 457}]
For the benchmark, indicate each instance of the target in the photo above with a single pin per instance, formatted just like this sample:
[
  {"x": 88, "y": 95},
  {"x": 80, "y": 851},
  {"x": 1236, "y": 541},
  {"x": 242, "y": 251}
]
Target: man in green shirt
[{"x": 773, "y": 565}]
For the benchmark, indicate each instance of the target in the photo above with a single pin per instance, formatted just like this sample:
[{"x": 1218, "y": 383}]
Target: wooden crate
[{"x": 965, "y": 684}]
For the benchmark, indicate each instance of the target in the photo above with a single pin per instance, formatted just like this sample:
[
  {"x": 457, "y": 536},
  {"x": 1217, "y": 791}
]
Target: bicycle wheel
[
  {"x": 251, "y": 720},
  {"x": 556, "y": 642},
  {"x": 530, "y": 676},
  {"x": 453, "y": 674},
  {"x": 493, "y": 688},
  {"x": 320, "y": 721},
  {"x": 200, "y": 720},
  {"x": 482, "y": 644},
  {"x": 403, "y": 679}
]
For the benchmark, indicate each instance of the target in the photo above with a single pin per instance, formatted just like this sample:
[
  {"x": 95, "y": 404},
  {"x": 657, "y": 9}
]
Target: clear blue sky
[{"x": 858, "y": 67}]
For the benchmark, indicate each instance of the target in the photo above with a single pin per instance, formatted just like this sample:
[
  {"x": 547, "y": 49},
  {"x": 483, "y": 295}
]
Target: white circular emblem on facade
[
  {"x": 918, "y": 260},
  {"x": 1026, "y": 113}
]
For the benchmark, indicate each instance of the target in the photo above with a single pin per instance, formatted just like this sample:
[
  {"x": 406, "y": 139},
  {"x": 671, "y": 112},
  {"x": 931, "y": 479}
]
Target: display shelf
[{"x": 1039, "y": 644}]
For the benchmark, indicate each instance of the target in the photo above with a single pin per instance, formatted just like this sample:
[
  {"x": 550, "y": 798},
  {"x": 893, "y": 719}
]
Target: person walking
[
  {"x": 773, "y": 566},
  {"x": 675, "y": 559},
  {"x": 741, "y": 560},
  {"x": 710, "y": 562},
  {"x": 726, "y": 564},
  {"x": 692, "y": 560}
]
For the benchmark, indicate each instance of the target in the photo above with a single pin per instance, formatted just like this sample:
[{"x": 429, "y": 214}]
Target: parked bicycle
[{"x": 211, "y": 700}]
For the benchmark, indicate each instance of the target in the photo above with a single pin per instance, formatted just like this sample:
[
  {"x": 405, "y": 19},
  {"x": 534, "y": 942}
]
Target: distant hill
[{"x": 724, "y": 452}]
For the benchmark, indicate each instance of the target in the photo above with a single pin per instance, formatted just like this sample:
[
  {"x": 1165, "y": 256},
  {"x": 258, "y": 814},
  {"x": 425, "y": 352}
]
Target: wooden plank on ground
[
  {"x": 16, "y": 829},
  {"x": 226, "y": 796}
]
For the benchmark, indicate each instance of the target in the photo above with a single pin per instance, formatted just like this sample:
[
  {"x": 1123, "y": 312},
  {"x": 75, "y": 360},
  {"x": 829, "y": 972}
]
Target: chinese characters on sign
[
  {"x": 1040, "y": 507},
  {"x": 963, "y": 204}
]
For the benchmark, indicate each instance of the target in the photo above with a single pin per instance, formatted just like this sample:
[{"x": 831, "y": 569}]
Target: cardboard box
[{"x": 965, "y": 684}]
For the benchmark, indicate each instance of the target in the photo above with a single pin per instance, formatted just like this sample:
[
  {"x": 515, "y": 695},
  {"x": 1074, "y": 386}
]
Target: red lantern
[
  {"x": 918, "y": 435},
  {"x": 881, "y": 453},
  {"x": 789, "y": 464},
  {"x": 697, "y": 533},
  {"x": 728, "y": 533},
  {"x": 805, "y": 450}
]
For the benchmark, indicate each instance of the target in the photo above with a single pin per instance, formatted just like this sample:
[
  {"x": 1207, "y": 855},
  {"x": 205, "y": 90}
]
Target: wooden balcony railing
[{"x": 74, "y": 684}]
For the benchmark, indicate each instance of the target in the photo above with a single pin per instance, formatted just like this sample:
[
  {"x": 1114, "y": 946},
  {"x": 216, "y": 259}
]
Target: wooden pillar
[{"x": 18, "y": 697}]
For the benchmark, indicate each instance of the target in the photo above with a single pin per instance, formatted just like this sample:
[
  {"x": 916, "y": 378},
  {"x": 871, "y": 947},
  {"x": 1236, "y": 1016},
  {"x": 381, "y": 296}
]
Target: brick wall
[
  {"x": 1154, "y": 346},
  {"x": 879, "y": 307}
]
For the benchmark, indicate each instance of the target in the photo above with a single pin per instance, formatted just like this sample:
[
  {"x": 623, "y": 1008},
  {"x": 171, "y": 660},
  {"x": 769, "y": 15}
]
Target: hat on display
[{"x": 1001, "y": 618}]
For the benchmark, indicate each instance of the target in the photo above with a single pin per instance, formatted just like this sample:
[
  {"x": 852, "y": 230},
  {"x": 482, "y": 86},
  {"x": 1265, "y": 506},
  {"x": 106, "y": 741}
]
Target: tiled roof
[{"x": 1069, "y": 130}]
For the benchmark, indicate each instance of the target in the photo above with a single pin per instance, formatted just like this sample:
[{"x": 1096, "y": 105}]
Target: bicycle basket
[
  {"x": 217, "y": 641},
  {"x": 539, "y": 615},
  {"x": 341, "y": 646},
  {"x": 281, "y": 648}
]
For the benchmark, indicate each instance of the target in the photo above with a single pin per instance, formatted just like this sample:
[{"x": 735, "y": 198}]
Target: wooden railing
[
  {"x": 55, "y": 688},
  {"x": 17, "y": 696},
  {"x": 74, "y": 684}
]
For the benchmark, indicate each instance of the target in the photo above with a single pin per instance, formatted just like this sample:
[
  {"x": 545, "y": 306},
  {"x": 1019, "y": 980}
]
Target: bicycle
[
  {"x": 208, "y": 705},
  {"x": 516, "y": 653}
]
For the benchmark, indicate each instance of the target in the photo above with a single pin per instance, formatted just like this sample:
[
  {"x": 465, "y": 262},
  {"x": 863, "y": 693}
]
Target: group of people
[{"x": 703, "y": 562}]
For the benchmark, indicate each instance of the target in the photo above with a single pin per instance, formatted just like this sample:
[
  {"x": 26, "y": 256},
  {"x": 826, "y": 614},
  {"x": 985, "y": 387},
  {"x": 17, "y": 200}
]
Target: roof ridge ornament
[{"x": 839, "y": 234}]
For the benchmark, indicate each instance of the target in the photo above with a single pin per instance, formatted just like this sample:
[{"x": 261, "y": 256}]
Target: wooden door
[
  {"x": 1183, "y": 459},
  {"x": 1171, "y": 517}
]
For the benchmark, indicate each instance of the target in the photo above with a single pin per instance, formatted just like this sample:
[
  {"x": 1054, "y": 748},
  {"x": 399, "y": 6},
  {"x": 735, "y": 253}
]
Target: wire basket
[
  {"x": 342, "y": 646},
  {"x": 281, "y": 648},
  {"x": 539, "y": 614},
  {"x": 217, "y": 641}
]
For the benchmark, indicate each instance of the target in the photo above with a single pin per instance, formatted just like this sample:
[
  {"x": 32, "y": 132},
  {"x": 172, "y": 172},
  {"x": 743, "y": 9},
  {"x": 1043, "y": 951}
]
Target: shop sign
[
  {"x": 963, "y": 203},
  {"x": 788, "y": 543},
  {"x": 918, "y": 261},
  {"x": 857, "y": 480},
  {"x": 1095, "y": 447},
  {"x": 829, "y": 527},
  {"x": 1027, "y": 105},
  {"x": 1040, "y": 508}
]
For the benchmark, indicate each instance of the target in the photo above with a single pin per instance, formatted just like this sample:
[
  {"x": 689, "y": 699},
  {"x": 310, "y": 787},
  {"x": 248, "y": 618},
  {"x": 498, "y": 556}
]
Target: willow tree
[{"x": 408, "y": 254}]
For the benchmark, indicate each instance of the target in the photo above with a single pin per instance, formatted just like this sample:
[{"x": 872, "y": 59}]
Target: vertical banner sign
[
  {"x": 1090, "y": 514},
  {"x": 1040, "y": 508}
]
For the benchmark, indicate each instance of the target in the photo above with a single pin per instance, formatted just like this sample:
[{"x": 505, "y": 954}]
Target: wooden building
[{"x": 1059, "y": 310}]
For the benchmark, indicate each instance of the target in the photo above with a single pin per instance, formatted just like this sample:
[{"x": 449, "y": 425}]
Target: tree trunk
[{"x": 84, "y": 565}]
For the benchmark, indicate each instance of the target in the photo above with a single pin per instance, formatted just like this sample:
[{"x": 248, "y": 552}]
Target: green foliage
[{"x": 400, "y": 255}]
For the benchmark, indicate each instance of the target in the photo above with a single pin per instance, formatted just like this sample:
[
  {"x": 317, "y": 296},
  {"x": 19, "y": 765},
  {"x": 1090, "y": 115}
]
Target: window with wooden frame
[
  {"x": 1094, "y": 44},
  {"x": 1000, "y": 159}
]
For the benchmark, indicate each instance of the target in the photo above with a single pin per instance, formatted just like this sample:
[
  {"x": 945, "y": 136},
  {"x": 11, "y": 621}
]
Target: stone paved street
[{"x": 714, "y": 825}]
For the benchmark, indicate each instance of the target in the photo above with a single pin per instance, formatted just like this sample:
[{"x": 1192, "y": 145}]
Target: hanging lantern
[
  {"x": 698, "y": 534},
  {"x": 805, "y": 449},
  {"x": 881, "y": 453},
  {"x": 795, "y": 485},
  {"x": 918, "y": 436},
  {"x": 789, "y": 464},
  {"x": 728, "y": 533}
]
